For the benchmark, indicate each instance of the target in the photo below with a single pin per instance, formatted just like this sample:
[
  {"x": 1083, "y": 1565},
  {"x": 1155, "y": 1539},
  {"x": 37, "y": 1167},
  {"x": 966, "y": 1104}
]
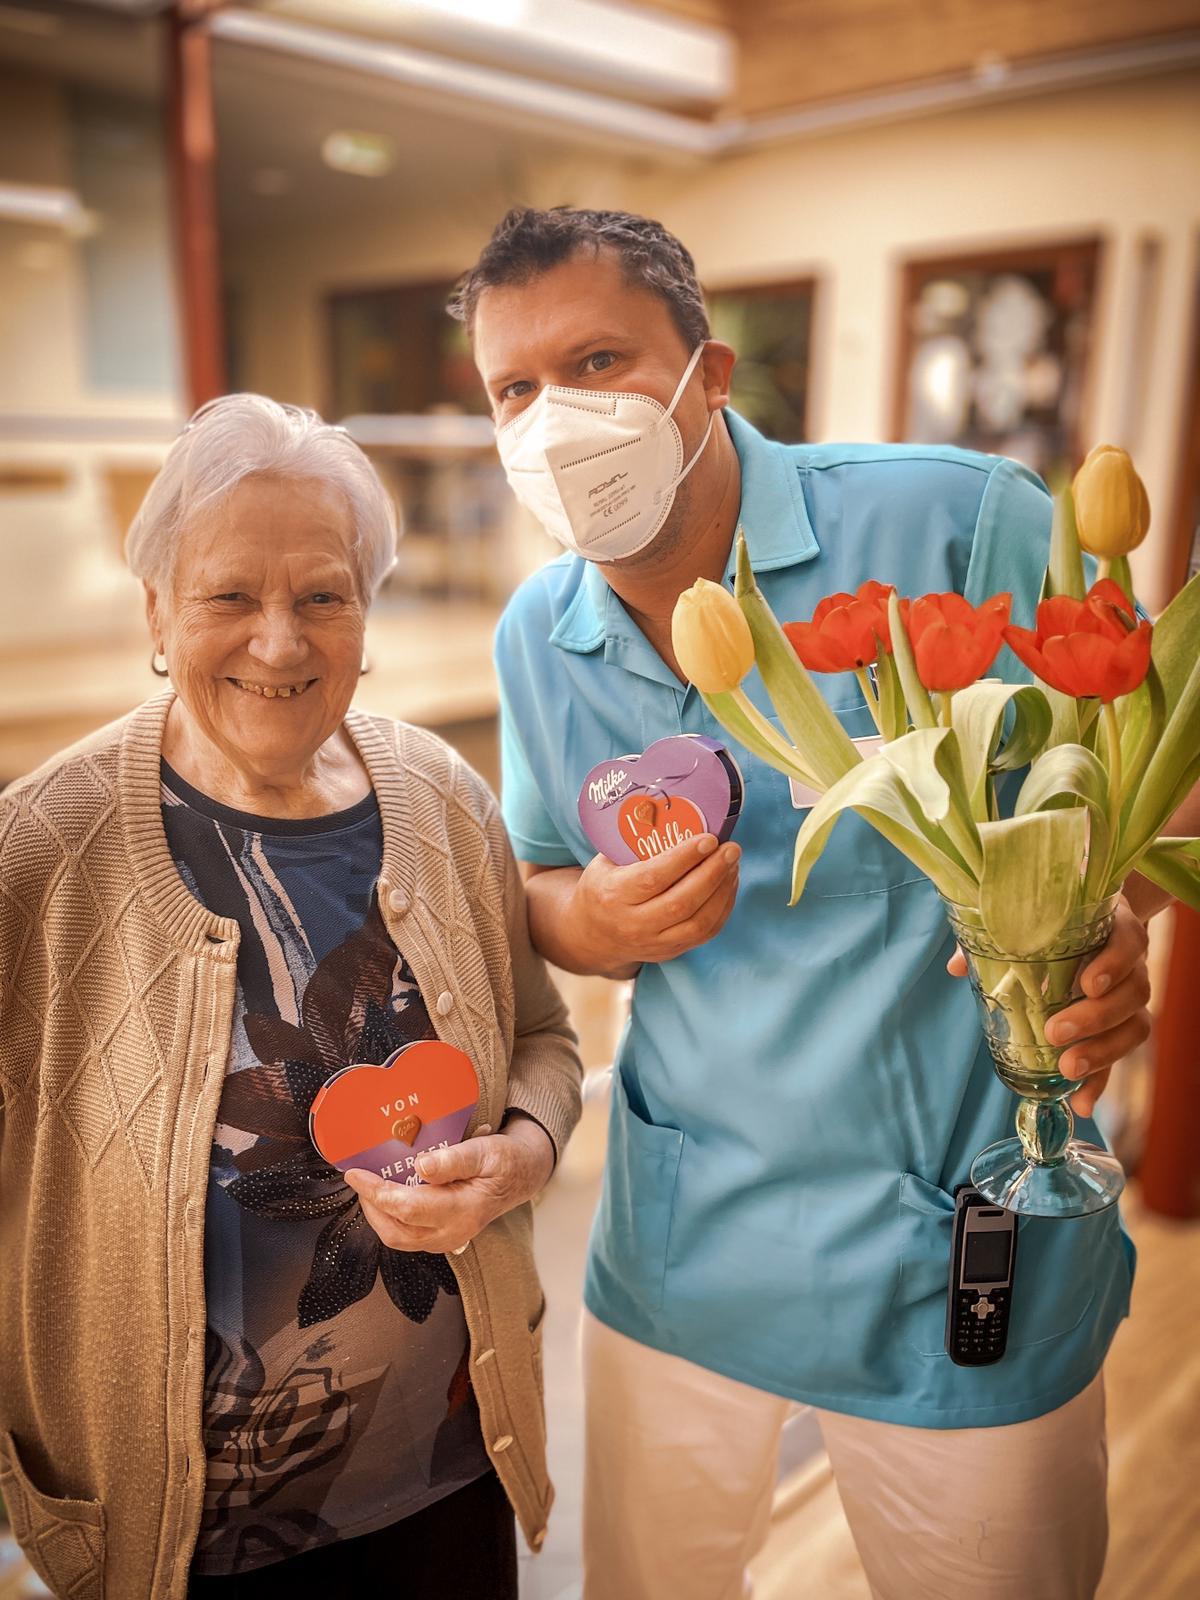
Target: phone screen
[{"x": 987, "y": 1257}]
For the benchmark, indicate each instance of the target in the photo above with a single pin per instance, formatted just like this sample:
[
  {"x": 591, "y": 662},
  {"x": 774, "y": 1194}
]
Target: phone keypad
[{"x": 979, "y": 1326}]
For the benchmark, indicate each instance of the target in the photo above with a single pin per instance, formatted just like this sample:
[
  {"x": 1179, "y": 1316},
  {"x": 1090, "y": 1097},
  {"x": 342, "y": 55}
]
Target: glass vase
[{"x": 1044, "y": 1171}]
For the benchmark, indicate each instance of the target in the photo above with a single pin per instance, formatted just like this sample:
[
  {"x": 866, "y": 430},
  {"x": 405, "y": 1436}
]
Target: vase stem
[{"x": 1044, "y": 1128}]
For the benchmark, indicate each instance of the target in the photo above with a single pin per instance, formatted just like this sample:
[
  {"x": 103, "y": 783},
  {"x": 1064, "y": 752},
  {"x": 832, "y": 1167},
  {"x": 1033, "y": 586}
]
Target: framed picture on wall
[
  {"x": 770, "y": 327},
  {"x": 995, "y": 351},
  {"x": 394, "y": 350}
]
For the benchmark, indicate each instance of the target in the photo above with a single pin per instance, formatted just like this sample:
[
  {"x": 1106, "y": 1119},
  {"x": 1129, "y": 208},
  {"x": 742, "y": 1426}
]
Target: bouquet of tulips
[{"x": 1108, "y": 739}]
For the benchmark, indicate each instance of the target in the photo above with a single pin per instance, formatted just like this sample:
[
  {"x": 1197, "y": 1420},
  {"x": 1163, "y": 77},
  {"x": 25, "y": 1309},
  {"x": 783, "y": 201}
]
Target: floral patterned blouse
[{"x": 337, "y": 1394}]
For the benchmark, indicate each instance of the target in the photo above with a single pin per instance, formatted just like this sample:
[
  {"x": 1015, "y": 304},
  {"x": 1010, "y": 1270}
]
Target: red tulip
[
  {"x": 845, "y": 632},
  {"x": 1083, "y": 648},
  {"x": 954, "y": 642}
]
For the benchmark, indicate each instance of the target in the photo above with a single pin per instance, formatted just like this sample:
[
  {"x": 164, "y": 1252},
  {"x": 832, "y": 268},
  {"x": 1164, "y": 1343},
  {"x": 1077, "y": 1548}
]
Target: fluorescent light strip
[{"x": 54, "y": 208}]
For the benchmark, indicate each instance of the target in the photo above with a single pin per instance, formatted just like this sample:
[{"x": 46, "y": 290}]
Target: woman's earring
[{"x": 159, "y": 672}]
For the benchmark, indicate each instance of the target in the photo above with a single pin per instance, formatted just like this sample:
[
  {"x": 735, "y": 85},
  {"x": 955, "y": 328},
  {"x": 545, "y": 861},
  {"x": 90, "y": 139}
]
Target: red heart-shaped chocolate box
[{"x": 382, "y": 1118}]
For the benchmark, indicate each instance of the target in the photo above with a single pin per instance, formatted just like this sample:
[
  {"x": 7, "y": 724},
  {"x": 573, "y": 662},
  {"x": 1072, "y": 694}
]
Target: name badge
[{"x": 804, "y": 798}]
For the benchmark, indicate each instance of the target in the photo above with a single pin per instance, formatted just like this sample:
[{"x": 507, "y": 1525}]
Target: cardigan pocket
[
  {"x": 536, "y": 1331},
  {"x": 63, "y": 1540}
]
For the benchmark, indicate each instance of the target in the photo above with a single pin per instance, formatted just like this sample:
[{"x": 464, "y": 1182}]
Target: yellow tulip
[
  {"x": 1112, "y": 512},
  {"x": 711, "y": 638}
]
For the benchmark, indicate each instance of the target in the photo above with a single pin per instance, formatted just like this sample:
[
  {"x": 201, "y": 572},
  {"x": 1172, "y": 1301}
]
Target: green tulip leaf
[
  {"x": 1064, "y": 575},
  {"x": 877, "y": 791},
  {"x": 893, "y": 713},
  {"x": 1170, "y": 773},
  {"x": 1174, "y": 646},
  {"x": 978, "y": 714},
  {"x": 1031, "y": 877},
  {"x": 824, "y": 746},
  {"x": 1174, "y": 864},
  {"x": 1065, "y": 776},
  {"x": 915, "y": 759},
  {"x": 734, "y": 711},
  {"x": 1141, "y": 717},
  {"x": 920, "y": 707},
  {"x": 1118, "y": 571}
]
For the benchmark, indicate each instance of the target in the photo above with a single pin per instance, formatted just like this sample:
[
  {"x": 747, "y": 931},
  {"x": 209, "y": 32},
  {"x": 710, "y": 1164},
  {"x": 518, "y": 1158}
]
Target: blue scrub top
[{"x": 795, "y": 1100}]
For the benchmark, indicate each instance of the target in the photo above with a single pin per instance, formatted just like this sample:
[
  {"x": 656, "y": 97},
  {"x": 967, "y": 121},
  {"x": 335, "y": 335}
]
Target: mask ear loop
[{"x": 687, "y": 372}]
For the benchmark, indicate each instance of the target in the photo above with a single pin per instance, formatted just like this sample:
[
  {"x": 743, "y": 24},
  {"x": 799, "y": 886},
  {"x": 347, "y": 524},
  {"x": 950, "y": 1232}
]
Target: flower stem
[
  {"x": 1088, "y": 715},
  {"x": 1112, "y": 739},
  {"x": 945, "y": 698},
  {"x": 1103, "y": 567},
  {"x": 864, "y": 678}
]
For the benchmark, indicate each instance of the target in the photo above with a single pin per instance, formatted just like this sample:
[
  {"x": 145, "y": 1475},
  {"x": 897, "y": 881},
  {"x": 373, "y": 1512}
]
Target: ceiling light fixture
[{"x": 366, "y": 155}]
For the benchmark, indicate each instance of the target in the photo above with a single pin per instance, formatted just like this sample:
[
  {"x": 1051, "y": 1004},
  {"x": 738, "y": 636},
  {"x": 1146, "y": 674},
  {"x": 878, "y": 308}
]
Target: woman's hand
[
  {"x": 1111, "y": 1019},
  {"x": 466, "y": 1187}
]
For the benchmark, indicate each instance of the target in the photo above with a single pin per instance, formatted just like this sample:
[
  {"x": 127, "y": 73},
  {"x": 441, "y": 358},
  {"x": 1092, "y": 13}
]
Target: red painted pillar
[
  {"x": 1170, "y": 1169},
  {"x": 191, "y": 126}
]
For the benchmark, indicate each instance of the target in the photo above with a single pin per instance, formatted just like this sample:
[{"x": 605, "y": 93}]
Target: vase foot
[{"x": 1087, "y": 1179}]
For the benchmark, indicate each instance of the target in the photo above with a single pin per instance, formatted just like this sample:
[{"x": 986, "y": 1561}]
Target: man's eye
[
  {"x": 233, "y": 597},
  {"x": 324, "y": 598},
  {"x": 516, "y": 391},
  {"x": 600, "y": 361}
]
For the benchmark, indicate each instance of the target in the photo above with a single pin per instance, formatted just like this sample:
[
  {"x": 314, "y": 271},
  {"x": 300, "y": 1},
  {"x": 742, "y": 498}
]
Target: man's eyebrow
[{"x": 594, "y": 341}]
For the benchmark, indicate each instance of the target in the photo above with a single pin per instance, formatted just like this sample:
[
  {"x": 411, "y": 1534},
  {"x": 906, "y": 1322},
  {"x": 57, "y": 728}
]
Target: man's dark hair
[{"x": 528, "y": 242}]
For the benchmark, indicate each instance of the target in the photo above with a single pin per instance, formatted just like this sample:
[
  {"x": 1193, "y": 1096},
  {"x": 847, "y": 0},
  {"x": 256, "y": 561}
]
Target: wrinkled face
[{"x": 263, "y": 625}]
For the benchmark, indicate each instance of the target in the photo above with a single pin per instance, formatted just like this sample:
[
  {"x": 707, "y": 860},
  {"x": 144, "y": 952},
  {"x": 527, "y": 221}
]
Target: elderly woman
[{"x": 227, "y": 1369}]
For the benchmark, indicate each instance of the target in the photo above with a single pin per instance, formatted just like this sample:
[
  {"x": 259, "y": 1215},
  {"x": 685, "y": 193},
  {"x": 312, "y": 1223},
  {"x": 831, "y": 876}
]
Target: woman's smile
[{"x": 273, "y": 691}]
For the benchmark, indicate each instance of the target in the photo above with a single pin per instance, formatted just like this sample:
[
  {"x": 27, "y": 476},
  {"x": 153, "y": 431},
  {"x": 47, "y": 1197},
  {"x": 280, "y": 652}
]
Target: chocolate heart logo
[
  {"x": 629, "y": 807},
  {"x": 407, "y": 1129},
  {"x": 382, "y": 1118},
  {"x": 649, "y": 826}
]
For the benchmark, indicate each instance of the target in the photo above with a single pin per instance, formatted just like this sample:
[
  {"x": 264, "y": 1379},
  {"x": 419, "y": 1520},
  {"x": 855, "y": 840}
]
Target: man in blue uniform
[{"x": 798, "y": 1091}]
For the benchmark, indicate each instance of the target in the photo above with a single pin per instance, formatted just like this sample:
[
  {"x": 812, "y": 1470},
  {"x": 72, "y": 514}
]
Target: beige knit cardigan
[{"x": 116, "y": 1006}]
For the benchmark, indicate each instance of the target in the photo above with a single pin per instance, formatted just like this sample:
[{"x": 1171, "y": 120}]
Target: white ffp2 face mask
[{"x": 598, "y": 469}]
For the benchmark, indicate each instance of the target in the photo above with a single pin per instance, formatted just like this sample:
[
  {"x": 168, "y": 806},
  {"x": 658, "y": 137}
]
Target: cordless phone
[{"x": 982, "y": 1261}]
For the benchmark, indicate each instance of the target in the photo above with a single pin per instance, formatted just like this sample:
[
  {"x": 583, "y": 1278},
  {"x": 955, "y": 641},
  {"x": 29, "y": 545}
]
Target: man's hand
[
  {"x": 466, "y": 1187},
  {"x": 608, "y": 920},
  {"x": 1111, "y": 1019}
]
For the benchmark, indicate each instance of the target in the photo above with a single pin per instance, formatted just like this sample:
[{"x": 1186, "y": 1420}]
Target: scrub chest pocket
[{"x": 857, "y": 859}]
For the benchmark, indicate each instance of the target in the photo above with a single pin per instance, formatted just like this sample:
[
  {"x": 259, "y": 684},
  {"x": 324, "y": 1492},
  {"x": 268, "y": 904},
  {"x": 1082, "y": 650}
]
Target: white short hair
[{"x": 246, "y": 435}]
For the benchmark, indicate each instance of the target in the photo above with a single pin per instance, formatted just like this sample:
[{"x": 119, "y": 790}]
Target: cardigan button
[
  {"x": 484, "y": 1127},
  {"x": 398, "y": 902},
  {"x": 483, "y": 1356},
  {"x": 445, "y": 1003},
  {"x": 502, "y": 1443}
]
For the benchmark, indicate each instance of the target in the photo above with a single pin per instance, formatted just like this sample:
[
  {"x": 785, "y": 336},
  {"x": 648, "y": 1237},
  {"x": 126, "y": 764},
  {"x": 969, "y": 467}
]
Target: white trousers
[{"x": 681, "y": 1465}]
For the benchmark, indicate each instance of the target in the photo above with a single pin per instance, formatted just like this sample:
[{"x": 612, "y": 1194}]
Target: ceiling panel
[{"x": 797, "y": 52}]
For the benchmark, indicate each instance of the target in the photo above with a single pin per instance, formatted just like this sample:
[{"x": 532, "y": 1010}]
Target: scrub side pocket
[
  {"x": 1057, "y": 1277},
  {"x": 634, "y": 1222}
]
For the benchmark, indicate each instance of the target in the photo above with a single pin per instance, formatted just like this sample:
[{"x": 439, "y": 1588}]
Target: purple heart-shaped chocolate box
[{"x": 690, "y": 766}]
